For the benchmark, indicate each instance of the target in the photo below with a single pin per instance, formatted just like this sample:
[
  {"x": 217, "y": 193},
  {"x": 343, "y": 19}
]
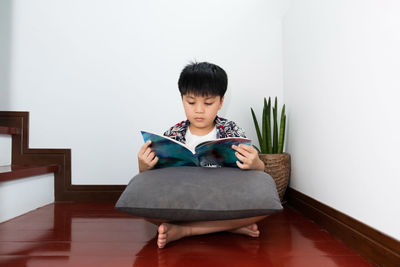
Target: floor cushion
[{"x": 200, "y": 194}]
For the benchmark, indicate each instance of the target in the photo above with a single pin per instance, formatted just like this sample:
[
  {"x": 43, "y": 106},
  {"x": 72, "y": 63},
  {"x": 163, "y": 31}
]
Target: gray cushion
[{"x": 200, "y": 194}]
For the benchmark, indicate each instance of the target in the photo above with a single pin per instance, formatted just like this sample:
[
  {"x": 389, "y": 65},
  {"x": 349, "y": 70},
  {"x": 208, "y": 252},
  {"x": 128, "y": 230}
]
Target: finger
[
  {"x": 241, "y": 157},
  {"x": 252, "y": 153},
  {"x": 144, "y": 147},
  {"x": 151, "y": 156},
  {"x": 154, "y": 161},
  {"x": 249, "y": 149},
  {"x": 242, "y": 151},
  {"x": 147, "y": 153},
  {"x": 241, "y": 165},
  {"x": 146, "y": 156}
]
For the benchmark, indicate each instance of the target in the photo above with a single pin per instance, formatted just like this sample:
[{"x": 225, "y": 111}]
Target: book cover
[{"x": 214, "y": 153}]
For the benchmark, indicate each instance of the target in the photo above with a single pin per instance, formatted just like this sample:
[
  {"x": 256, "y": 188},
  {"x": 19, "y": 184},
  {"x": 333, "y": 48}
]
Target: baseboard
[
  {"x": 368, "y": 242},
  {"x": 92, "y": 193}
]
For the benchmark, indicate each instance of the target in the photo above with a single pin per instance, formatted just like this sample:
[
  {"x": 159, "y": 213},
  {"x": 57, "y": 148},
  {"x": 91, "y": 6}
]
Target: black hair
[{"x": 203, "y": 79}]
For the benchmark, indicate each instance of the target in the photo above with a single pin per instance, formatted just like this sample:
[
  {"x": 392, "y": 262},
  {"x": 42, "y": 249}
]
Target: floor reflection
[
  {"x": 95, "y": 234},
  {"x": 224, "y": 249}
]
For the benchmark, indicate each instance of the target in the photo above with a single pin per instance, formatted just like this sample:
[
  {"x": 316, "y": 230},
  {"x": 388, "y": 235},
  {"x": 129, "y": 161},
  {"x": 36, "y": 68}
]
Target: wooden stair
[
  {"x": 9, "y": 130},
  {"x": 14, "y": 171},
  {"x": 27, "y": 162},
  {"x": 16, "y": 123}
]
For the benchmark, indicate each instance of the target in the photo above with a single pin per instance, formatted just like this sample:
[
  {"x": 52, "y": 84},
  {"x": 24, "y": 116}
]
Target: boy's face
[{"x": 201, "y": 112}]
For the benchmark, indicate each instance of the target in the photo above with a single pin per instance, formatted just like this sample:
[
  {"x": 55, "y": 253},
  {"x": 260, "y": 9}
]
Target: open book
[{"x": 214, "y": 153}]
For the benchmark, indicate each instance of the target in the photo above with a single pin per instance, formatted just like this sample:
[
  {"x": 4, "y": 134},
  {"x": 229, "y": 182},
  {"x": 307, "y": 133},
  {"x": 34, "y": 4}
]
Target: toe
[
  {"x": 254, "y": 227},
  {"x": 256, "y": 234},
  {"x": 162, "y": 229},
  {"x": 161, "y": 242}
]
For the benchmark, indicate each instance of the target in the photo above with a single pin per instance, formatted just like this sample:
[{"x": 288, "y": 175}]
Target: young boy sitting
[{"x": 202, "y": 87}]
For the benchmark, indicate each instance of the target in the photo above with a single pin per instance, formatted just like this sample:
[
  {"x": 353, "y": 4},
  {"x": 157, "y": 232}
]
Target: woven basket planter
[{"x": 278, "y": 166}]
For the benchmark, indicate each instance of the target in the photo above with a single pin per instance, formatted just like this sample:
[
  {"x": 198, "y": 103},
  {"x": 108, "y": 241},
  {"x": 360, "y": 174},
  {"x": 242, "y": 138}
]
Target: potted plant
[{"x": 277, "y": 163}]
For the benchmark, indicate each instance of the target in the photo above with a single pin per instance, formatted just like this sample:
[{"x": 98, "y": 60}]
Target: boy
[{"x": 202, "y": 87}]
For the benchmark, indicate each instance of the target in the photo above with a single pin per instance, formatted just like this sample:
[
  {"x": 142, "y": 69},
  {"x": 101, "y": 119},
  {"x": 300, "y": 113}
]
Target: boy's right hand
[{"x": 146, "y": 157}]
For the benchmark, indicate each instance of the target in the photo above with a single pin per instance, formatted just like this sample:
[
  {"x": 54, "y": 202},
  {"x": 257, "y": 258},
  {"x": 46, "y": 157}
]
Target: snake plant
[{"x": 270, "y": 142}]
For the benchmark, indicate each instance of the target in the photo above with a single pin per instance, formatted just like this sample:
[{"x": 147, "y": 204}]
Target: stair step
[
  {"x": 9, "y": 130},
  {"x": 12, "y": 172}
]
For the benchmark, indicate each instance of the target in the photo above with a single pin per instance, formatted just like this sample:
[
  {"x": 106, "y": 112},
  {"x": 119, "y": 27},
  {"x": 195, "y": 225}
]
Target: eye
[
  {"x": 209, "y": 104},
  {"x": 190, "y": 103}
]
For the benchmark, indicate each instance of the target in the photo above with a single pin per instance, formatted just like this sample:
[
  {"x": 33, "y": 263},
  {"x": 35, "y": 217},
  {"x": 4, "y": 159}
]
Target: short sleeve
[
  {"x": 231, "y": 129},
  {"x": 168, "y": 133},
  {"x": 239, "y": 131}
]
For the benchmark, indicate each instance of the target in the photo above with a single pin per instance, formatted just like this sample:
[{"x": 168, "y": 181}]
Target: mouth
[{"x": 199, "y": 119}]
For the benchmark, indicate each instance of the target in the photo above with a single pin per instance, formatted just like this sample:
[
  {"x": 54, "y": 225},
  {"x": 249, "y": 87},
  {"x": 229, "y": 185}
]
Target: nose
[{"x": 199, "y": 108}]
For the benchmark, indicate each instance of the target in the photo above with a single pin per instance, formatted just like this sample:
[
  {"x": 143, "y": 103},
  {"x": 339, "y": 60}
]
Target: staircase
[{"x": 29, "y": 178}]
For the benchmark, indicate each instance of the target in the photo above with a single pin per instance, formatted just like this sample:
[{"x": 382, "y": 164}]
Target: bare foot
[
  {"x": 170, "y": 232},
  {"x": 250, "y": 230}
]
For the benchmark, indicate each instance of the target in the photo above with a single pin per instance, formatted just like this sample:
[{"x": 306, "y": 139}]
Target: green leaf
[
  {"x": 275, "y": 140},
  {"x": 260, "y": 140},
  {"x": 282, "y": 131},
  {"x": 268, "y": 128},
  {"x": 264, "y": 145}
]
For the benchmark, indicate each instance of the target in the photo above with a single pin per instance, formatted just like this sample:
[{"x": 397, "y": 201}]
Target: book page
[
  {"x": 239, "y": 140},
  {"x": 169, "y": 151},
  {"x": 219, "y": 152}
]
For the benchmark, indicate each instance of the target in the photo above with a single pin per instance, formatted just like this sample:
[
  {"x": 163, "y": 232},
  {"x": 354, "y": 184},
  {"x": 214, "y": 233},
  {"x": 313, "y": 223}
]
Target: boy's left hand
[{"x": 249, "y": 156}]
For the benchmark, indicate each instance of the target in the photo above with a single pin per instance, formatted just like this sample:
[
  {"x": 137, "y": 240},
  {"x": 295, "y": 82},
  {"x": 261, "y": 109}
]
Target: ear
[{"x": 221, "y": 101}]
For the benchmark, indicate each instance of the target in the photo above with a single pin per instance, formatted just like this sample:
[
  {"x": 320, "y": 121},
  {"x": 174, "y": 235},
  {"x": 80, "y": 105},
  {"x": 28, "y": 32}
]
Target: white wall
[
  {"x": 5, "y": 48},
  {"x": 341, "y": 85},
  {"x": 5, "y": 150},
  {"x": 94, "y": 73},
  {"x": 112, "y": 67},
  {"x": 20, "y": 196}
]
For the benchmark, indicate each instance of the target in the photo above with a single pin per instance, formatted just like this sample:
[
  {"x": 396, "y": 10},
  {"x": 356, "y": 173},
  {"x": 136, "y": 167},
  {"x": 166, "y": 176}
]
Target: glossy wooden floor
[{"x": 77, "y": 234}]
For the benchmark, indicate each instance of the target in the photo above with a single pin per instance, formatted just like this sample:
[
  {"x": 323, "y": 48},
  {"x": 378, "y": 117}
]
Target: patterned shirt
[{"x": 224, "y": 127}]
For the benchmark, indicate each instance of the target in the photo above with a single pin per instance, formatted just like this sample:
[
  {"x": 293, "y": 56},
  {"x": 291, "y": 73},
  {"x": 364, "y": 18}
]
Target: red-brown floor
[{"x": 93, "y": 234}]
